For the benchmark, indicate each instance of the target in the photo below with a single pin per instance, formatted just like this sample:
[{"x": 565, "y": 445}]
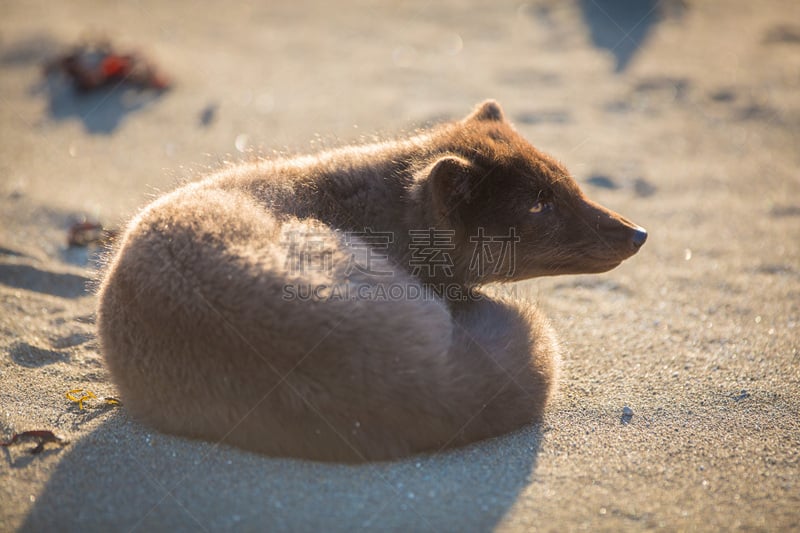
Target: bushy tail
[{"x": 213, "y": 329}]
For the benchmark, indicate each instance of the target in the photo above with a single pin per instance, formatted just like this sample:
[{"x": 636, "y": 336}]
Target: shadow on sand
[
  {"x": 622, "y": 26},
  {"x": 101, "y": 110},
  {"x": 30, "y": 278},
  {"x": 155, "y": 482}
]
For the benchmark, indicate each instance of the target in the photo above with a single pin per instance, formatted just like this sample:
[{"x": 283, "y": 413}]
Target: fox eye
[{"x": 540, "y": 206}]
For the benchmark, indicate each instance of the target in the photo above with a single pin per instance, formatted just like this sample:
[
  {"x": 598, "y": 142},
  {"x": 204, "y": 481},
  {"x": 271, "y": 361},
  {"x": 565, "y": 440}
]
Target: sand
[{"x": 686, "y": 118}]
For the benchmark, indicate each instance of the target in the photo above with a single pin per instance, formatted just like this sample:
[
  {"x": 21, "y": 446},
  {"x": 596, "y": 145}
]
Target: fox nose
[{"x": 638, "y": 237}]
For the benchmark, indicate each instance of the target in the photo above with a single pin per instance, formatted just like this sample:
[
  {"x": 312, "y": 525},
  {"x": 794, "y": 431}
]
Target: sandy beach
[{"x": 682, "y": 115}]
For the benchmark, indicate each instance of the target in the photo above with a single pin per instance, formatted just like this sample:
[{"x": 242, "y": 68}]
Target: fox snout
[
  {"x": 587, "y": 239},
  {"x": 618, "y": 237}
]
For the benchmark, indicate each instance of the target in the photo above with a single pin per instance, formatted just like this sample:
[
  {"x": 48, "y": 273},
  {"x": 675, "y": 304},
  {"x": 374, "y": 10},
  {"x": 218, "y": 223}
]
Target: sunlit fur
[{"x": 201, "y": 340}]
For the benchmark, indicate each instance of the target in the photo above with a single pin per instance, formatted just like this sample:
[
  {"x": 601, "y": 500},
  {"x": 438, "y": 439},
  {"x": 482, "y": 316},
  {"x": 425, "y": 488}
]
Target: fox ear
[
  {"x": 489, "y": 110},
  {"x": 449, "y": 182}
]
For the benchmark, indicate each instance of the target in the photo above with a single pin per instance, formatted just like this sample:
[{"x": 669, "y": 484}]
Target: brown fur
[{"x": 201, "y": 340}]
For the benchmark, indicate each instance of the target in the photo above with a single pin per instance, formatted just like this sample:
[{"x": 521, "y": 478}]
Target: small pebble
[
  {"x": 627, "y": 411},
  {"x": 744, "y": 394}
]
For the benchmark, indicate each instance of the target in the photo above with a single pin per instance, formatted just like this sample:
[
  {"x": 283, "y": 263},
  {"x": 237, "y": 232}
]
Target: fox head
[{"x": 516, "y": 213}]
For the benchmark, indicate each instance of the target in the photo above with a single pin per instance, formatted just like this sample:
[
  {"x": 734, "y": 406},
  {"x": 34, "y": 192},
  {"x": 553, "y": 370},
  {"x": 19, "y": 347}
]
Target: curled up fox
[{"x": 329, "y": 307}]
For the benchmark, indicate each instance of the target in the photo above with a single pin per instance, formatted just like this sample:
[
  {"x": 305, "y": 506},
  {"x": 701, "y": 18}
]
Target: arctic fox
[{"x": 328, "y": 306}]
